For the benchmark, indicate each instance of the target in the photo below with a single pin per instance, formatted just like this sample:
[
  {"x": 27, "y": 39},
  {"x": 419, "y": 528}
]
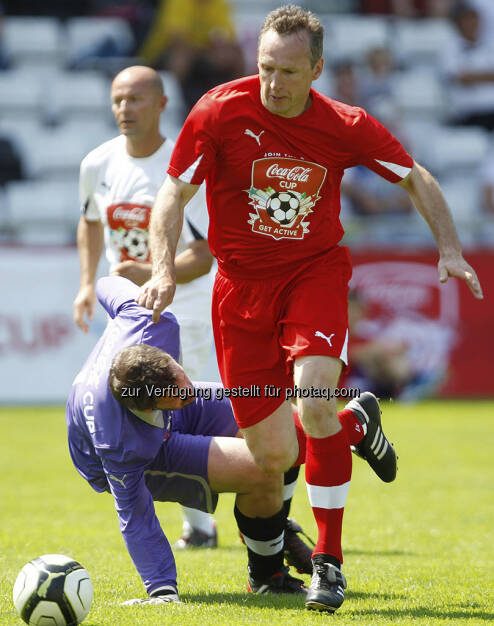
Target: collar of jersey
[{"x": 155, "y": 418}]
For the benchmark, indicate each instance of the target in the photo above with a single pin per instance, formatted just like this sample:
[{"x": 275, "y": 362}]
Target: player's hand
[
  {"x": 157, "y": 294},
  {"x": 158, "y": 599},
  {"x": 458, "y": 267},
  {"x": 138, "y": 273},
  {"x": 84, "y": 304}
]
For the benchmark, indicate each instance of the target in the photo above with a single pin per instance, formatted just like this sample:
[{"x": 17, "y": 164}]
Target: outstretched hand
[
  {"x": 157, "y": 294},
  {"x": 459, "y": 268}
]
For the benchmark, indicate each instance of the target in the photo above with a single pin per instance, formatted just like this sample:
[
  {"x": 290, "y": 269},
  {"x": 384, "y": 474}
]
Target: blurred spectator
[
  {"x": 346, "y": 84},
  {"x": 380, "y": 365},
  {"x": 365, "y": 192},
  {"x": 368, "y": 197},
  {"x": 10, "y": 162},
  {"x": 377, "y": 78},
  {"x": 487, "y": 185},
  {"x": 468, "y": 65},
  {"x": 485, "y": 9},
  {"x": 194, "y": 39},
  {"x": 408, "y": 8},
  {"x": 4, "y": 63}
]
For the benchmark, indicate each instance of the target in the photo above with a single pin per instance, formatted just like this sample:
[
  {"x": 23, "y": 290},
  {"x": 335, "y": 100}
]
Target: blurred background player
[{"x": 118, "y": 184}]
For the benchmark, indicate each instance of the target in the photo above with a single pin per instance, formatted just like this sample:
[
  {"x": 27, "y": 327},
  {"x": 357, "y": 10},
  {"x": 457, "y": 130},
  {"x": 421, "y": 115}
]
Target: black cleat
[
  {"x": 326, "y": 591},
  {"x": 280, "y": 582},
  {"x": 374, "y": 447},
  {"x": 297, "y": 552},
  {"x": 194, "y": 538}
]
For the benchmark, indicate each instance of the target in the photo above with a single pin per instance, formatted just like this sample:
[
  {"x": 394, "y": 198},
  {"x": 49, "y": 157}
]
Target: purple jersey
[{"x": 110, "y": 446}]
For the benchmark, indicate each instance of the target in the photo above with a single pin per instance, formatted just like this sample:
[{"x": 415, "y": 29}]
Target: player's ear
[
  {"x": 317, "y": 69},
  {"x": 164, "y": 102}
]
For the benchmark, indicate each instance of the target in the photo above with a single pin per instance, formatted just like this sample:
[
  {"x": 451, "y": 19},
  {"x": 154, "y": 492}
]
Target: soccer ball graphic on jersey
[
  {"x": 135, "y": 242},
  {"x": 283, "y": 207},
  {"x": 53, "y": 590}
]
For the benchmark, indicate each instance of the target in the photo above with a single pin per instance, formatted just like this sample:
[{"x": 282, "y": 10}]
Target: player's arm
[
  {"x": 146, "y": 543},
  {"x": 429, "y": 200},
  {"x": 90, "y": 246},
  {"x": 164, "y": 231},
  {"x": 193, "y": 262}
]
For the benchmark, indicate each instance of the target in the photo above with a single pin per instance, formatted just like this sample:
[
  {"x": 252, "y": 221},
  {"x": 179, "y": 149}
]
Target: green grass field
[{"x": 418, "y": 551}]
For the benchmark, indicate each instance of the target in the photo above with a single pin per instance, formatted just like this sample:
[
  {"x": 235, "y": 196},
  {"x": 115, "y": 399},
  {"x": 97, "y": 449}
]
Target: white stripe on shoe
[{"x": 328, "y": 497}]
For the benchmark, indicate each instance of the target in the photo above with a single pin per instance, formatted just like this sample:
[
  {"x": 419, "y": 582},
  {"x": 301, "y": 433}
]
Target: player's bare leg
[
  {"x": 328, "y": 471},
  {"x": 258, "y": 510}
]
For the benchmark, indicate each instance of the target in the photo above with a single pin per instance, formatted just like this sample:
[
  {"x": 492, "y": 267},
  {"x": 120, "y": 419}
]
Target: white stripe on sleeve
[
  {"x": 186, "y": 177},
  {"x": 399, "y": 170}
]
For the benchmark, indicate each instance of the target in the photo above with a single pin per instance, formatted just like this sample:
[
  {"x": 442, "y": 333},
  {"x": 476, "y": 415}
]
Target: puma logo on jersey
[
  {"x": 253, "y": 135},
  {"x": 318, "y": 333},
  {"x": 118, "y": 480}
]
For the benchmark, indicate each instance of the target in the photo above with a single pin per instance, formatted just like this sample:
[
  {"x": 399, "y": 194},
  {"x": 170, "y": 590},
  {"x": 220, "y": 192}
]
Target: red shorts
[{"x": 260, "y": 327}]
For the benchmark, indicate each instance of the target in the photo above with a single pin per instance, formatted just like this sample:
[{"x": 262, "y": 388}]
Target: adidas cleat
[
  {"x": 297, "y": 552},
  {"x": 374, "y": 447},
  {"x": 280, "y": 582},
  {"x": 326, "y": 591}
]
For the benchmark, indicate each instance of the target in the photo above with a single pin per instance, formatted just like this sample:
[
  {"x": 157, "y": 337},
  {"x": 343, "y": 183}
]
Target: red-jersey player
[{"x": 273, "y": 151}]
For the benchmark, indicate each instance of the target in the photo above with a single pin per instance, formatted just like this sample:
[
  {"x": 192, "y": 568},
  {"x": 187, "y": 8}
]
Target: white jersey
[{"x": 119, "y": 190}]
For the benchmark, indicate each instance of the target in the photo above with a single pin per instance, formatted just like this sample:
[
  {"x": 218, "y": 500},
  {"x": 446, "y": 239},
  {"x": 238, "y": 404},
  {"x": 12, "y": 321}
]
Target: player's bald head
[{"x": 140, "y": 76}]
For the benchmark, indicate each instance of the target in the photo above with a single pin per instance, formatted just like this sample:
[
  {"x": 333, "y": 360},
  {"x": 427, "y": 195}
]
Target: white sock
[{"x": 198, "y": 520}]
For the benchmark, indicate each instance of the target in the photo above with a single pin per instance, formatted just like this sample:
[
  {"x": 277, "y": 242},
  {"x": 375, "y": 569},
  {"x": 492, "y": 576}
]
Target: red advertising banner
[{"x": 449, "y": 334}]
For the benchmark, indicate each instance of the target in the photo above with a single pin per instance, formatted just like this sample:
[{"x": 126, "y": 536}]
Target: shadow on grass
[
  {"x": 271, "y": 601},
  {"x": 379, "y": 553},
  {"x": 423, "y": 612}
]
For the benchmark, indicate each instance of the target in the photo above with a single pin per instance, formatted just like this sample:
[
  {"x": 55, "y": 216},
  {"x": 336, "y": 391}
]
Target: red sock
[
  {"x": 352, "y": 426},
  {"x": 328, "y": 469},
  {"x": 350, "y": 423}
]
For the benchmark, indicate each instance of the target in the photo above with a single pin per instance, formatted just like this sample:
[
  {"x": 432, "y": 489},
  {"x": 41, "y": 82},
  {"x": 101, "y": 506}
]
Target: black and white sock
[
  {"x": 290, "y": 482},
  {"x": 264, "y": 538}
]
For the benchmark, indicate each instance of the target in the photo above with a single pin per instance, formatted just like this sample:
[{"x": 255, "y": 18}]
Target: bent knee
[{"x": 274, "y": 463}]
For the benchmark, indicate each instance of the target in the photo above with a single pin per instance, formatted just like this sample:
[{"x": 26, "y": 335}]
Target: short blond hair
[{"x": 290, "y": 19}]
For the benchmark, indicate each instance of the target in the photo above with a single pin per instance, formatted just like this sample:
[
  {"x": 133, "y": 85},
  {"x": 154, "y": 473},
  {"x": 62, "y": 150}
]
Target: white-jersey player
[{"x": 119, "y": 181}]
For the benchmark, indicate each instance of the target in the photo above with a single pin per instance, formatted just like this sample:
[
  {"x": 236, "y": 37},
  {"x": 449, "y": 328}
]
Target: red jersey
[{"x": 273, "y": 183}]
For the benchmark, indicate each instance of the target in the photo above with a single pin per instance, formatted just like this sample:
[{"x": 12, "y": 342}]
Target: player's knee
[
  {"x": 274, "y": 461},
  {"x": 317, "y": 413}
]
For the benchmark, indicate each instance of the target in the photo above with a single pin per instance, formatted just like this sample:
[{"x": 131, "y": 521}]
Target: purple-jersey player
[{"x": 184, "y": 450}]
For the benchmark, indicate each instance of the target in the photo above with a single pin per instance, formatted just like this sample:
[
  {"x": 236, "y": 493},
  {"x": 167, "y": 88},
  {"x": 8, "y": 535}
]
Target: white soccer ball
[{"x": 53, "y": 590}]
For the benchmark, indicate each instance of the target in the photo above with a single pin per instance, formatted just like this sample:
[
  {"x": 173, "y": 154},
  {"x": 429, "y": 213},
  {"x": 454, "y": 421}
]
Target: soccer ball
[
  {"x": 53, "y": 590},
  {"x": 283, "y": 207},
  {"x": 135, "y": 242}
]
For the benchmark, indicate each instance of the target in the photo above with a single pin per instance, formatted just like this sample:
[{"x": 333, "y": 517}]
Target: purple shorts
[{"x": 179, "y": 473}]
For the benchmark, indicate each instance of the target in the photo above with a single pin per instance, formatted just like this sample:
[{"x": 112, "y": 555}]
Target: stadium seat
[
  {"x": 87, "y": 35},
  {"x": 57, "y": 153},
  {"x": 419, "y": 95},
  {"x": 418, "y": 43},
  {"x": 19, "y": 97},
  {"x": 175, "y": 108},
  {"x": 352, "y": 37},
  {"x": 43, "y": 212},
  {"x": 34, "y": 40},
  {"x": 81, "y": 93},
  {"x": 457, "y": 150}
]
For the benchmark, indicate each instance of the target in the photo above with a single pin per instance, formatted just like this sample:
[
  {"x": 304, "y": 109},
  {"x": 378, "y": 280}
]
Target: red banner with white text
[{"x": 449, "y": 334}]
